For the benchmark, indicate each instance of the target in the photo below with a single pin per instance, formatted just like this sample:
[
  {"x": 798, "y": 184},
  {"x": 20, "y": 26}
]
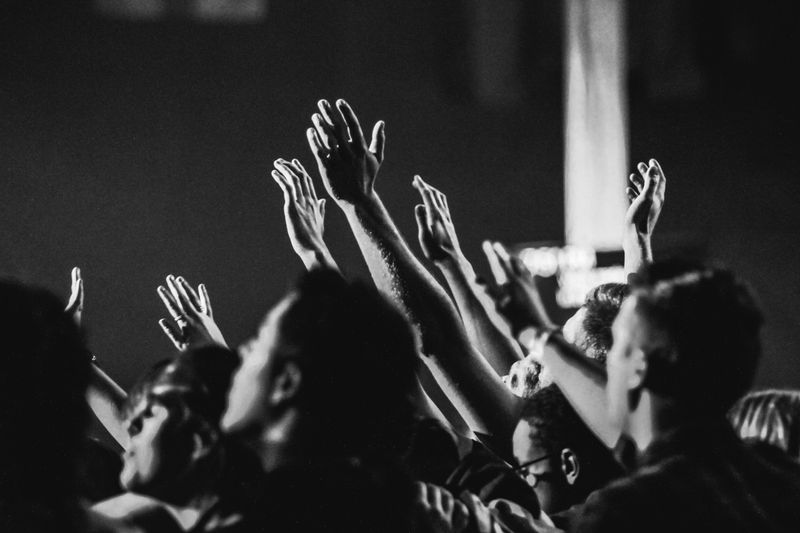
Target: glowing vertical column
[{"x": 595, "y": 122}]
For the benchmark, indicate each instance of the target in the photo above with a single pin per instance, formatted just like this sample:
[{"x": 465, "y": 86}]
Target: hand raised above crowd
[
  {"x": 647, "y": 193},
  {"x": 437, "y": 235},
  {"x": 192, "y": 313},
  {"x": 518, "y": 298},
  {"x": 347, "y": 165},
  {"x": 304, "y": 213},
  {"x": 75, "y": 303}
]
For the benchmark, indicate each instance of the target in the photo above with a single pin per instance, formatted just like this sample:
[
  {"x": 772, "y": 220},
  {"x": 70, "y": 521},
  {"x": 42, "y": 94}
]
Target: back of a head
[
  {"x": 602, "y": 306},
  {"x": 42, "y": 399},
  {"x": 771, "y": 417},
  {"x": 712, "y": 324},
  {"x": 558, "y": 426},
  {"x": 358, "y": 357}
]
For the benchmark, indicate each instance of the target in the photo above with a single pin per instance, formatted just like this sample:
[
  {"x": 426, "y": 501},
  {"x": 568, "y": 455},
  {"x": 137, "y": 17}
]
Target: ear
[
  {"x": 637, "y": 369},
  {"x": 570, "y": 465},
  {"x": 204, "y": 439},
  {"x": 286, "y": 384}
]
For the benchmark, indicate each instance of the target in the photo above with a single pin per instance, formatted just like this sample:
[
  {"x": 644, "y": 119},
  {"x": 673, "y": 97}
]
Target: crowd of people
[{"x": 402, "y": 405}]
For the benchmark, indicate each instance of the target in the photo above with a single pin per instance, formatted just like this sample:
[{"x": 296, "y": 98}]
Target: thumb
[{"x": 378, "y": 140}]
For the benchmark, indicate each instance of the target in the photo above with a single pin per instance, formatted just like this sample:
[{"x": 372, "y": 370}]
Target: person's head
[
  {"x": 771, "y": 417},
  {"x": 337, "y": 356},
  {"x": 42, "y": 397},
  {"x": 173, "y": 415},
  {"x": 689, "y": 340},
  {"x": 589, "y": 329},
  {"x": 565, "y": 460}
]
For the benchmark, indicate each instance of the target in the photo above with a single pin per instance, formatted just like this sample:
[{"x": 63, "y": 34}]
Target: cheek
[{"x": 243, "y": 397}]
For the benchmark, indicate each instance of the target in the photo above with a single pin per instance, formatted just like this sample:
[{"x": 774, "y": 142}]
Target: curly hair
[{"x": 602, "y": 306}]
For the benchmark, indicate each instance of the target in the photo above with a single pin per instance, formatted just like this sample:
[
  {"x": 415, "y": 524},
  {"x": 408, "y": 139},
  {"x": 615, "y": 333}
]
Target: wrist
[{"x": 369, "y": 200}]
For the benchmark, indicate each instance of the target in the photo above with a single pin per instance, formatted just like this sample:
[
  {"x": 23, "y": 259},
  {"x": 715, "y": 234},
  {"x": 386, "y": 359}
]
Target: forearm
[
  {"x": 477, "y": 392},
  {"x": 637, "y": 249},
  {"x": 583, "y": 382},
  {"x": 106, "y": 400},
  {"x": 481, "y": 324}
]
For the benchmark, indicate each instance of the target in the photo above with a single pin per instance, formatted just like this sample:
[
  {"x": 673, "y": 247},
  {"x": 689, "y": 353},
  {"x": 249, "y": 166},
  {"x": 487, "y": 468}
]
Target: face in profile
[
  {"x": 159, "y": 449},
  {"x": 545, "y": 475},
  {"x": 624, "y": 365},
  {"x": 248, "y": 404}
]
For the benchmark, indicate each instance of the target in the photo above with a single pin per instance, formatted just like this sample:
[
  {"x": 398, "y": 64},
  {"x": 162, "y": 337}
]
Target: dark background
[{"x": 135, "y": 150}]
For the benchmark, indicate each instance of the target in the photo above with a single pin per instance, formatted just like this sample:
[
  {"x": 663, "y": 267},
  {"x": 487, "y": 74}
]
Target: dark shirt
[
  {"x": 490, "y": 478},
  {"x": 699, "y": 478}
]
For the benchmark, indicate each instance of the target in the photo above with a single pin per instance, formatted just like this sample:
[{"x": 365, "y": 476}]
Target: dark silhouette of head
[
  {"x": 42, "y": 406},
  {"x": 173, "y": 419},
  {"x": 337, "y": 355},
  {"x": 708, "y": 327},
  {"x": 771, "y": 417},
  {"x": 574, "y": 462}
]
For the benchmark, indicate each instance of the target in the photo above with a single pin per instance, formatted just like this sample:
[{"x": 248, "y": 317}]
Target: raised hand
[
  {"x": 437, "y": 235},
  {"x": 646, "y": 194},
  {"x": 518, "y": 299},
  {"x": 304, "y": 213},
  {"x": 75, "y": 303},
  {"x": 192, "y": 313},
  {"x": 437, "y": 511},
  {"x": 347, "y": 165}
]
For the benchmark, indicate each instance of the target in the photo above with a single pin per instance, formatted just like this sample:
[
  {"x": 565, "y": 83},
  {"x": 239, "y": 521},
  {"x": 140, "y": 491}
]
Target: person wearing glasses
[{"x": 558, "y": 456}]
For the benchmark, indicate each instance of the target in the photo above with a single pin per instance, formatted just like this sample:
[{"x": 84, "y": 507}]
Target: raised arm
[
  {"x": 646, "y": 193},
  {"x": 437, "y": 236},
  {"x": 106, "y": 399},
  {"x": 581, "y": 379},
  {"x": 349, "y": 168},
  {"x": 304, "y": 214}
]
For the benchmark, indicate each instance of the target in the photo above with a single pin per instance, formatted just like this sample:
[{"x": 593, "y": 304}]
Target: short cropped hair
[
  {"x": 602, "y": 306},
  {"x": 771, "y": 417},
  {"x": 713, "y": 324},
  {"x": 358, "y": 357},
  {"x": 558, "y": 426}
]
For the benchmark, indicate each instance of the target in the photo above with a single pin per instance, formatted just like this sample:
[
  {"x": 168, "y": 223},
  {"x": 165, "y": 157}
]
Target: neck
[
  {"x": 198, "y": 490},
  {"x": 650, "y": 420},
  {"x": 289, "y": 440}
]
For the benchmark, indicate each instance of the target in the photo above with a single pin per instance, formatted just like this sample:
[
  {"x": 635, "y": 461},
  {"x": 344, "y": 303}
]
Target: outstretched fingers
[
  {"x": 335, "y": 120},
  {"x": 318, "y": 149},
  {"x": 427, "y": 198},
  {"x": 173, "y": 334},
  {"x": 353, "y": 126},
  {"x": 495, "y": 266},
  {"x": 171, "y": 304},
  {"x": 205, "y": 301}
]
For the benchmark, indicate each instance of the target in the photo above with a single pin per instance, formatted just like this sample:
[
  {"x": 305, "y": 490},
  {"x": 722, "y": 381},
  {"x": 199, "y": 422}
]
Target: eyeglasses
[{"x": 533, "y": 478}]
